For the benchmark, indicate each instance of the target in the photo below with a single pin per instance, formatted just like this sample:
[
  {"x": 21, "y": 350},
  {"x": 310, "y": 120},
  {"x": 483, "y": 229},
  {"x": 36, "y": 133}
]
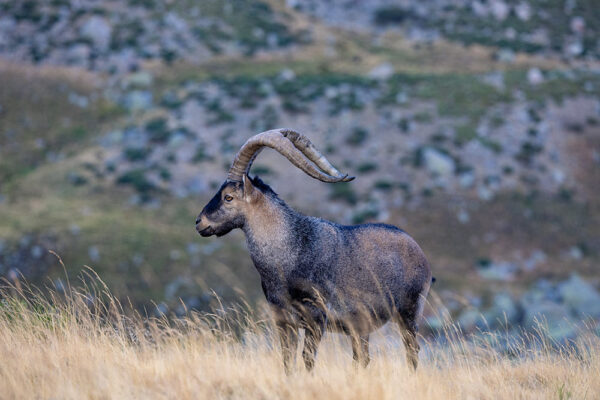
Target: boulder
[
  {"x": 98, "y": 31},
  {"x": 580, "y": 296},
  {"x": 523, "y": 11},
  {"x": 138, "y": 100},
  {"x": 534, "y": 76},
  {"x": 438, "y": 162},
  {"x": 140, "y": 79},
  {"x": 549, "y": 317},
  {"x": 499, "y": 271},
  {"x": 499, "y": 9},
  {"x": 506, "y": 56},
  {"x": 471, "y": 319},
  {"x": 504, "y": 310},
  {"x": 382, "y": 71}
]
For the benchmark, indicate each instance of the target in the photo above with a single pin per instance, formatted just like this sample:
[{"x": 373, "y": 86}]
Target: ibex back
[{"x": 317, "y": 274}]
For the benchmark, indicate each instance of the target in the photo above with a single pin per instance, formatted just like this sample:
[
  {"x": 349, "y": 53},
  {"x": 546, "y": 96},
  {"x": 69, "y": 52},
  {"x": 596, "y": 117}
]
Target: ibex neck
[
  {"x": 269, "y": 233},
  {"x": 267, "y": 220}
]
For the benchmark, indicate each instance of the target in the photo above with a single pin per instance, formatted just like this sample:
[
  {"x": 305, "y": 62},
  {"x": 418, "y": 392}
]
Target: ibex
[{"x": 317, "y": 274}]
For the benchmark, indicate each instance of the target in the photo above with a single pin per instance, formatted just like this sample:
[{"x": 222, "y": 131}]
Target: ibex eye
[{"x": 228, "y": 198}]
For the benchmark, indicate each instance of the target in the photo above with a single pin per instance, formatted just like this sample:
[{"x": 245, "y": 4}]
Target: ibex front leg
[
  {"x": 314, "y": 322},
  {"x": 287, "y": 331}
]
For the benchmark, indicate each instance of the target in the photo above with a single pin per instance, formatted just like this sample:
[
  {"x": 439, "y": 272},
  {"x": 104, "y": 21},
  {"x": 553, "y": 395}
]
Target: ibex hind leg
[
  {"x": 407, "y": 319},
  {"x": 360, "y": 350}
]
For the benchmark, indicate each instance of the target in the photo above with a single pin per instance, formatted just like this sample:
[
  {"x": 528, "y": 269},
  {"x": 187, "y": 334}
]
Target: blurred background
[{"x": 472, "y": 124}]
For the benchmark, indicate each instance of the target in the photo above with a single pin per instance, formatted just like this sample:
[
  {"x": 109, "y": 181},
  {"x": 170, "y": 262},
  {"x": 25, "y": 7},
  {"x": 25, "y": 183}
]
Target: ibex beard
[{"x": 316, "y": 274}]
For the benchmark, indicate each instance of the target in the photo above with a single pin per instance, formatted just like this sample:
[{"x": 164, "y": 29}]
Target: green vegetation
[
  {"x": 557, "y": 85},
  {"x": 391, "y": 15},
  {"x": 138, "y": 180},
  {"x": 157, "y": 130},
  {"x": 366, "y": 167},
  {"x": 460, "y": 95},
  {"x": 137, "y": 153},
  {"x": 364, "y": 216},
  {"x": 138, "y": 250},
  {"x": 38, "y": 117},
  {"x": 383, "y": 185},
  {"x": 357, "y": 136},
  {"x": 343, "y": 191},
  {"x": 252, "y": 24},
  {"x": 469, "y": 28},
  {"x": 464, "y": 134}
]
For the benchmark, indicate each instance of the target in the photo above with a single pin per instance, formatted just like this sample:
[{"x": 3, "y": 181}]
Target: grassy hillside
[{"x": 491, "y": 164}]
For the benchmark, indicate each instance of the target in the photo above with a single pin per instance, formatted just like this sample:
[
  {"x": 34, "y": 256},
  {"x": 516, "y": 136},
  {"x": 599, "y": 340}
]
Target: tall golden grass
[{"x": 84, "y": 344}]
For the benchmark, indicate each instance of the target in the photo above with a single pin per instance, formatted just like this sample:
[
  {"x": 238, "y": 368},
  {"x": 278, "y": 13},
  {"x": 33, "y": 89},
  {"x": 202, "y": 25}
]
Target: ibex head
[{"x": 228, "y": 208}]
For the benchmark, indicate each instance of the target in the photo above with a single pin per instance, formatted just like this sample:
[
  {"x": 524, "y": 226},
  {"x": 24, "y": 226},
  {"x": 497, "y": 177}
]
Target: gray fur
[{"x": 320, "y": 275}]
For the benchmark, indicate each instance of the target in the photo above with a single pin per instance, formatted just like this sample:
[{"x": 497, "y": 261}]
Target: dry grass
[{"x": 83, "y": 345}]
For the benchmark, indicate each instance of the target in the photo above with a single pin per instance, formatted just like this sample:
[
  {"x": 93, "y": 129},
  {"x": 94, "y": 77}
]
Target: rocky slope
[{"x": 119, "y": 119}]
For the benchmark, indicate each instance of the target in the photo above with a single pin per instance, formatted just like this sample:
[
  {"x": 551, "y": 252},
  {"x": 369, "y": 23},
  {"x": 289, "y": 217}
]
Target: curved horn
[
  {"x": 303, "y": 144},
  {"x": 276, "y": 139}
]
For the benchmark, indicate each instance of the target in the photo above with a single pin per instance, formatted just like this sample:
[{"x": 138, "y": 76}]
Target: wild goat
[{"x": 317, "y": 274}]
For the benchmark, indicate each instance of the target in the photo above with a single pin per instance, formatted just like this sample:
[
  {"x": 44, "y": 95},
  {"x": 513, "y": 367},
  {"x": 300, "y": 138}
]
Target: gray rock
[
  {"x": 37, "y": 251},
  {"x": 438, "y": 162},
  {"x": 535, "y": 76},
  {"x": 175, "y": 22},
  {"x": 495, "y": 79},
  {"x": 141, "y": 79},
  {"x": 480, "y": 9},
  {"x": 137, "y": 259},
  {"x": 549, "y": 317},
  {"x": 112, "y": 138},
  {"x": 466, "y": 179},
  {"x": 382, "y": 71},
  {"x": 287, "y": 74},
  {"x": 580, "y": 296},
  {"x": 402, "y": 98},
  {"x": 94, "y": 253},
  {"x": 577, "y": 25},
  {"x": 471, "y": 319},
  {"x": 192, "y": 248},
  {"x": 575, "y": 253},
  {"x": 173, "y": 287},
  {"x": 504, "y": 310},
  {"x": 499, "y": 9},
  {"x": 506, "y": 55},
  {"x": 537, "y": 257},
  {"x": 98, "y": 30},
  {"x": 78, "y": 100},
  {"x": 575, "y": 48},
  {"x": 138, "y": 100},
  {"x": 485, "y": 193},
  {"x": 59, "y": 285},
  {"x": 74, "y": 229},
  {"x": 500, "y": 271},
  {"x": 78, "y": 54},
  {"x": 177, "y": 140},
  {"x": 523, "y": 11},
  {"x": 161, "y": 309},
  {"x": 463, "y": 216}
]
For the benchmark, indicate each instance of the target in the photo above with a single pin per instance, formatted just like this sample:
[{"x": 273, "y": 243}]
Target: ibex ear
[{"x": 247, "y": 187}]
